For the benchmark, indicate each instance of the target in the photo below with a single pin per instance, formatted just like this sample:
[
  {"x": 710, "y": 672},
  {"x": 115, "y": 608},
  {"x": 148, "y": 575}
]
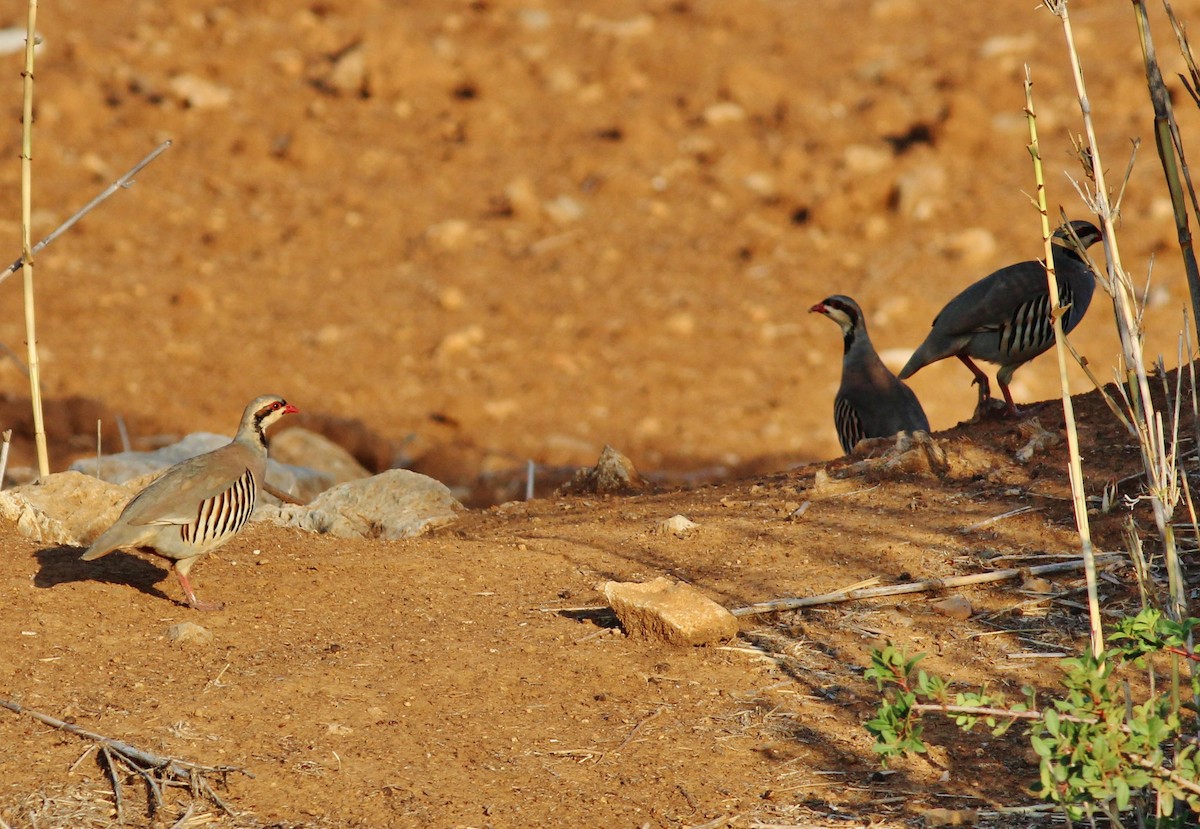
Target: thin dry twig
[
  {"x": 156, "y": 770},
  {"x": 122, "y": 183},
  {"x": 923, "y": 586},
  {"x": 989, "y": 521},
  {"x": 634, "y": 732}
]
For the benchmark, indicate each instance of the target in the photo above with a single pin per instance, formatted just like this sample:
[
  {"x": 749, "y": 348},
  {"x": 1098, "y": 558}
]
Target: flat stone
[{"x": 672, "y": 612}]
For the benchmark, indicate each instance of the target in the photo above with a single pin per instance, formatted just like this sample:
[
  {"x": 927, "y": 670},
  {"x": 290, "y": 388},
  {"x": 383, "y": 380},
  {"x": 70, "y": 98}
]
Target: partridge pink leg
[{"x": 181, "y": 568}]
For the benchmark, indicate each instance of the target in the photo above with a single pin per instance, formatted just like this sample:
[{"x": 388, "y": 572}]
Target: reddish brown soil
[{"x": 526, "y": 232}]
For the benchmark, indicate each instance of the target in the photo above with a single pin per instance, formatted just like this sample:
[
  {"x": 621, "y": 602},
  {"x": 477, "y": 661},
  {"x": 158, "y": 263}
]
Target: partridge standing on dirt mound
[
  {"x": 199, "y": 504},
  {"x": 1004, "y": 318},
  {"x": 871, "y": 402}
]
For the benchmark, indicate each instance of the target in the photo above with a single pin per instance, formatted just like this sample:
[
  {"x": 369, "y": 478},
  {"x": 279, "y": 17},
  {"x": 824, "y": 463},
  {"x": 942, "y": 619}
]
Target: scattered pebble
[
  {"x": 564, "y": 210},
  {"x": 348, "y": 75},
  {"x": 452, "y": 234},
  {"x": 954, "y": 607},
  {"x": 677, "y": 525},
  {"x": 725, "y": 112},
  {"x": 198, "y": 93},
  {"x": 188, "y": 633}
]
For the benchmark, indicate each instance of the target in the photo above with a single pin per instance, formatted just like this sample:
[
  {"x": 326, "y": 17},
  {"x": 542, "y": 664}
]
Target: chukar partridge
[
  {"x": 199, "y": 504},
  {"x": 1004, "y": 318},
  {"x": 870, "y": 402}
]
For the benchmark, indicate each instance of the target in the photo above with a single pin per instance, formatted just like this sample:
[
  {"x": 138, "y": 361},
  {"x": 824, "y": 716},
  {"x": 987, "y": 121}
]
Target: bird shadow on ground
[{"x": 61, "y": 564}]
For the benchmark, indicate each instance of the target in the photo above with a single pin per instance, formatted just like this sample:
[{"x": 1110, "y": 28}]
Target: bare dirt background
[{"x": 465, "y": 235}]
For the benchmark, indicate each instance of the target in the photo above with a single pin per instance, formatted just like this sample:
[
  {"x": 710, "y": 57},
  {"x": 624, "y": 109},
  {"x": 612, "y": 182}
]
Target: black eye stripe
[{"x": 848, "y": 310}]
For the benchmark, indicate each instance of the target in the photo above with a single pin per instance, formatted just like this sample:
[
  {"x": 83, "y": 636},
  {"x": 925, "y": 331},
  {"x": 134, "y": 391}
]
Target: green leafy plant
[{"x": 1097, "y": 749}]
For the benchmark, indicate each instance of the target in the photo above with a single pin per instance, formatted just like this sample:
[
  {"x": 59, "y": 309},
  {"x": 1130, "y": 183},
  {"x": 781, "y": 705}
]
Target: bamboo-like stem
[
  {"x": 1170, "y": 146},
  {"x": 1117, "y": 282},
  {"x": 1074, "y": 463},
  {"x": 35, "y": 384},
  {"x": 923, "y": 586}
]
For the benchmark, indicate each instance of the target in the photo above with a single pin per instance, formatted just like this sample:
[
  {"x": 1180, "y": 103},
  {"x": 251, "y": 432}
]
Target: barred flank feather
[
  {"x": 848, "y": 424},
  {"x": 224, "y": 514}
]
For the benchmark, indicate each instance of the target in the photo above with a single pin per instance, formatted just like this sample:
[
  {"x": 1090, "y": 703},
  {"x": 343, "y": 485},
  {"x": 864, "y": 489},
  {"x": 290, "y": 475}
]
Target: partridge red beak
[
  {"x": 819, "y": 308},
  {"x": 290, "y": 409}
]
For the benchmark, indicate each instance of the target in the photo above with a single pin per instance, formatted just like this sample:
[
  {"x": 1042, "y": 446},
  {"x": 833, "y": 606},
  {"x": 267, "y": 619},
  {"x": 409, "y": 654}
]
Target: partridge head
[
  {"x": 199, "y": 504},
  {"x": 870, "y": 402}
]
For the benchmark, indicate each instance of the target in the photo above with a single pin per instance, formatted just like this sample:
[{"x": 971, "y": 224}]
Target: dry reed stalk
[
  {"x": 1075, "y": 462},
  {"x": 35, "y": 384},
  {"x": 1170, "y": 143},
  {"x": 923, "y": 586},
  {"x": 1158, "y": 459}
]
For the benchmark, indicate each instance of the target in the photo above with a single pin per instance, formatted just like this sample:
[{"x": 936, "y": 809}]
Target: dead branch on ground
[{"x": 156, "y": 771}]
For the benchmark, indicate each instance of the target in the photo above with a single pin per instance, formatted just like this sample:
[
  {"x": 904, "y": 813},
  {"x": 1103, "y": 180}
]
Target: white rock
[
  {"x": 725, "y": 112},
  {"x": 348, "y": 75},
  {"x": 564, "y": 210},
  {"x": 395, "y": 504},
  {"x": 677, "y": 525},
  {"x": 761, "y": 184},
  {"x": 867, "y": 159},
  {"x": 198, "y": 93},
  {"x": 452, "y": 234}
]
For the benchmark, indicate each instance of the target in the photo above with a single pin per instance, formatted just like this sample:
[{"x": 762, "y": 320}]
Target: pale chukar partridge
[
  {"x": 870, "y": 402},
  {"x": 199, "y": 504},
  {"x": 1004, "y": 318}
]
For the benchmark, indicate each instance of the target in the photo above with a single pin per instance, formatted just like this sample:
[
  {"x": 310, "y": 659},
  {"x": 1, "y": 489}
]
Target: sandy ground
[{"x": 465, "y": 236}]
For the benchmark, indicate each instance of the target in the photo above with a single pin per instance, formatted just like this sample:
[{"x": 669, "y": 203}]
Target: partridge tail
[
  {"x": 96, "y": 551},
  {"x": 916, "y": 362},
  {"x": 107, "y": 541}
]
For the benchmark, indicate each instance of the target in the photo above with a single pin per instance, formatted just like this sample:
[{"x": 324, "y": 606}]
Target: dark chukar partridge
[
  {"x": 199, "y": 504},
  {"x": 1004, "y": 318},
  {"x": 871, "y": 402}
]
